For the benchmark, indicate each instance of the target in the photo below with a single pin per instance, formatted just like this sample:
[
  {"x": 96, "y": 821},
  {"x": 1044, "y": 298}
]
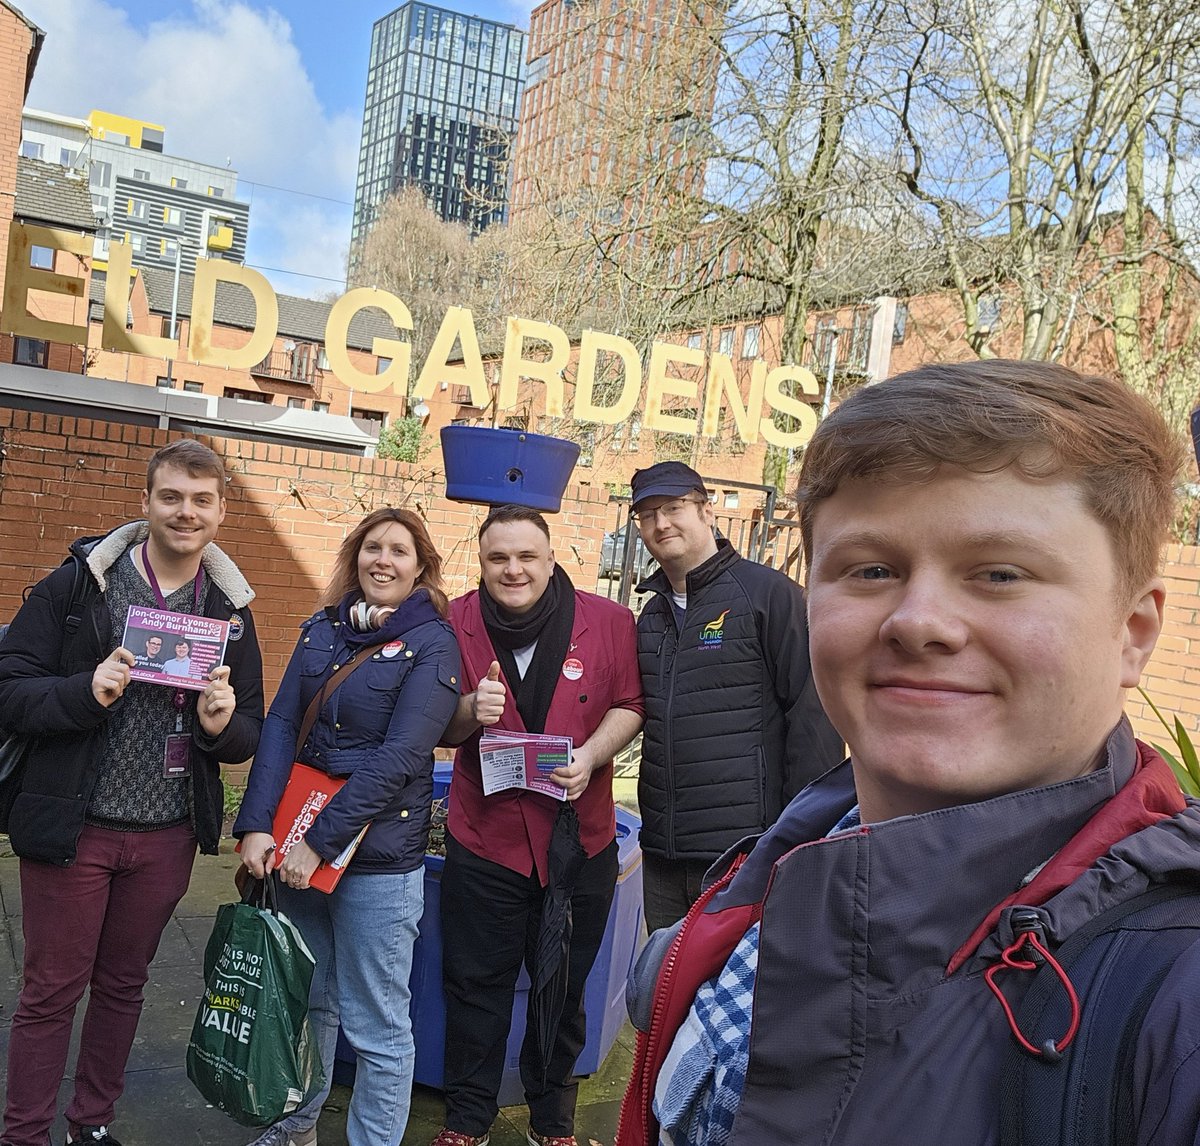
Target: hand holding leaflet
[{"x": 522, "y": 760}]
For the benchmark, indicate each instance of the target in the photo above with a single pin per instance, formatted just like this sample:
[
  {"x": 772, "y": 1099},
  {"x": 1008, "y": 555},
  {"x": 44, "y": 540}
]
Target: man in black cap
[{"x": 734, "y": 728}]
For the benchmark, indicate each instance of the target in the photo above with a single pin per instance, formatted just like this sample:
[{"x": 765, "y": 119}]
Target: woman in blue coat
[{"x": 377, "y": 729}]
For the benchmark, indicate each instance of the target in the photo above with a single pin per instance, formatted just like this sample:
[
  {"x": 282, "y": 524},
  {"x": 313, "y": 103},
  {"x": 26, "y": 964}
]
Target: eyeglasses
[{"x": 669, "y": 509}]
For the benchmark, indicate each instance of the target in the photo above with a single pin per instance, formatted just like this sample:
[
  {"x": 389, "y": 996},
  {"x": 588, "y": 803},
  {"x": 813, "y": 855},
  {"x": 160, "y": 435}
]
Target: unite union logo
[{"x": 712, "y": 633}]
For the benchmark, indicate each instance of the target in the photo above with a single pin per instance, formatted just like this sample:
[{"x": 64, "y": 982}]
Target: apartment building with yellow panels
[{"x": 168, "y": 208}]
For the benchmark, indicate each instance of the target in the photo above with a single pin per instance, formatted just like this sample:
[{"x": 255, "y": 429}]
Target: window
[
  {"x": 31, "y": 150},
  {"x": 177, "y": 182},
  {"x": 66, "y": 157},
  {"x": 42, "y": 258},
  {"x": 725, "y": 343},
  {"x": 382, "y": 364},
  {"x": 217, "y": 192},
  {"x": 899, "y": 323},
  {"x": 141, "y": 174},
  {"x": 248, "y": 395},
  {"x": 30, "y": 352},
  {"x": 173, "y": 217},
  {"x": 750, "y": 340},
  {"x": 101, "y": 173},
  {"x": 295, "y": 403},
  {"x": 695, "y": 340},
  {"x": 375, "y": 417},
  {"x": 989, "y": 312},
  {"x": 137, "y": 208},
  {"x": 322, "y": 359},
  {"x": 732, "y": 499},
  {"x": 169, "y": 249},
  {"x": 164, "y": 383},
  {"x": 321, "y": 407},
  {"x": 194, "y": 387}
]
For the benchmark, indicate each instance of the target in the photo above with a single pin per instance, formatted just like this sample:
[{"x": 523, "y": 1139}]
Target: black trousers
[
  {"x": 670, "y": 887},
  {"x": 490, "y": 919}
]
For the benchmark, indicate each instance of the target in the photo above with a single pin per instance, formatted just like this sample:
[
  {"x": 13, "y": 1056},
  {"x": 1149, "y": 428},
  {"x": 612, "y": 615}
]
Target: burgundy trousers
[{"x": 96, "y": 923}]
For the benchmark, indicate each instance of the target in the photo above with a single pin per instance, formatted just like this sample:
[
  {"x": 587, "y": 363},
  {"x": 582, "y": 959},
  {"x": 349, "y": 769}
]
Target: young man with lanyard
[
  {"x": 121, "y": 784},
  {"x": 548, "y": 658}
]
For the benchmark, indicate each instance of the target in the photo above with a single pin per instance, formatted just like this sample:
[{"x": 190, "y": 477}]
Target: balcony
[
  {"x": 292, "y": 363},
  {"x": 220, "y": 237}
]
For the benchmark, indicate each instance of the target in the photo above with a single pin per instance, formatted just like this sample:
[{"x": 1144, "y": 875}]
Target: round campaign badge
[
  {"x": 392, "y": 648},
  {"x": 572, "y": 668},
  {"x": 236, "y": 626}
]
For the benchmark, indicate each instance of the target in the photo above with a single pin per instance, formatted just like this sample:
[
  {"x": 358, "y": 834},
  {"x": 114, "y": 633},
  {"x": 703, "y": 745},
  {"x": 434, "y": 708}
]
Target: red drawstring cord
[{"x": 1050, "y": 1049}]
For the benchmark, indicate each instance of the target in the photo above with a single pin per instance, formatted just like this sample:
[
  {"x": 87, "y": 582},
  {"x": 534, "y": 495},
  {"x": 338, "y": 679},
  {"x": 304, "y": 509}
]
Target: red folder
[{"x": 308, "y": 791}]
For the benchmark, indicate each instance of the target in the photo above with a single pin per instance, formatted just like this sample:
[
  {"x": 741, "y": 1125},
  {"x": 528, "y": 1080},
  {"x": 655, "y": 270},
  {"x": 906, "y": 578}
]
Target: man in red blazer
[{"x": 547, "y": 658}]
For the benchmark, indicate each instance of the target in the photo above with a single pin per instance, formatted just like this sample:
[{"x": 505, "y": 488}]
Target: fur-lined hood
[{"x": 101, "y": 553}]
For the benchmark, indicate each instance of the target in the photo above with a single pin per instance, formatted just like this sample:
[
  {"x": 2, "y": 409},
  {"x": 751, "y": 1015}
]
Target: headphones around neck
[{"x": 365, "y": 618}]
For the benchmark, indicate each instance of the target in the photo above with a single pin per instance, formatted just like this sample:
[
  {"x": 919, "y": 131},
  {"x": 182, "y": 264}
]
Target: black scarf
[{"x": 549, "y": 623}]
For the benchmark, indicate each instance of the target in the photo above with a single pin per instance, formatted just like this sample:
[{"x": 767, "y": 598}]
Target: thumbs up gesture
[{"x": 487, "y": 701}]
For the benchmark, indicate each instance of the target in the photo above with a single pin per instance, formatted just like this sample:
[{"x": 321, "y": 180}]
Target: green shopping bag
[{"x": 253, "y": 1053}]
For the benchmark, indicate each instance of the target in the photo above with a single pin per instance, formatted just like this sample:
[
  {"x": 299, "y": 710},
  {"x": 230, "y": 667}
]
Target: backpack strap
[
  {"x": 81, "y": 594},
  {"x": 1117, "y": 963}
]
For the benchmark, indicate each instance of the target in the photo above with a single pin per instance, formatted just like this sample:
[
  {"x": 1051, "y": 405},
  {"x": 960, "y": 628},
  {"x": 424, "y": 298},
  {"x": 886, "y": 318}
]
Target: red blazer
[{"x": 512, "y": 828}]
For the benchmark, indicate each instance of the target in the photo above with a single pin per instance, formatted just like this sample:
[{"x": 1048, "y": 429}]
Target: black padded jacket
[{"x": 734, "y": 728}]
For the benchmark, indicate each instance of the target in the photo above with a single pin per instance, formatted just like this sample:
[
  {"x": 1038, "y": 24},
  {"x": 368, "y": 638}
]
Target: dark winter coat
[
  {"x": 46, "y": 691},
  {"x": 734, "y": 728},
  {"x": 378, "y": 728},
  {"x": 872, "y": 1019}
]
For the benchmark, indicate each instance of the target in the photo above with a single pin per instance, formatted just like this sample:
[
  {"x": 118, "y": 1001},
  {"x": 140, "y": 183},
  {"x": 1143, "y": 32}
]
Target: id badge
[{"x": 177, "y": 759}]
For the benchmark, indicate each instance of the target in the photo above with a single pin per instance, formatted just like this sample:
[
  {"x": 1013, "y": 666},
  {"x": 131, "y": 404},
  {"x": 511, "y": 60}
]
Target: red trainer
[
  {"x": 448, "y": 1137},
  {"x": 536, "y": 1139}
]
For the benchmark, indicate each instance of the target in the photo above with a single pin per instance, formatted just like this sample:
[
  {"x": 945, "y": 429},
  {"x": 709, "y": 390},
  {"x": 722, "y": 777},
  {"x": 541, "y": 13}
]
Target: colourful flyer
[
  {"x": 523, "y": 760},
  {"x": 175, "y": 649}
]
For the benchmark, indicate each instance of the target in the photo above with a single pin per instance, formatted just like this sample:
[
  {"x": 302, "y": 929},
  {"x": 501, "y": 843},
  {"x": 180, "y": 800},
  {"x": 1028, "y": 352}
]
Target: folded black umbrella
[{"x": 552, "y": 950}]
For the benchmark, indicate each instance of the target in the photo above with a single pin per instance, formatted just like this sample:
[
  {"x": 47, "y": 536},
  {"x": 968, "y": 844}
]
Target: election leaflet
[
  {"x": 522, "y": 760},
  {"x": 308, "y": 791},
  {"x": 176, "y": 649}
]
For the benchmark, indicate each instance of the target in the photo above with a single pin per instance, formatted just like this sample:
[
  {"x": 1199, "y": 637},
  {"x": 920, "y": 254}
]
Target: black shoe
[{"x": 98, "y": 1134}]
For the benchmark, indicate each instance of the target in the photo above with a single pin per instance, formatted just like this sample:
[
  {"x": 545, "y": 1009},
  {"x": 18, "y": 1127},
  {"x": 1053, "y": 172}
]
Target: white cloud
[{"x": 226, "y": 81}]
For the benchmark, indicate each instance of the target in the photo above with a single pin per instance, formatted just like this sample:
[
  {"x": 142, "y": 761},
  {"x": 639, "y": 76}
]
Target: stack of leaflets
[{"x": 523, "y": 760}]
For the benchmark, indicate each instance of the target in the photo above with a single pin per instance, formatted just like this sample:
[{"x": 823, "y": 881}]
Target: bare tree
[
  {"x": 724, "y": 154},
  {"x": 1018, "y": 129},
  {"x": 424, "y": 261}
]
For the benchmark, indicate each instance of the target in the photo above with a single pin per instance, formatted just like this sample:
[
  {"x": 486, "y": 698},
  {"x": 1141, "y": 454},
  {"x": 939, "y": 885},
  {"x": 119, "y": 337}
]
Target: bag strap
[
  {"x": 1117, "y": 963},
  {"x": 326, "y": 690},
  {"x": 261, "y": 893}
]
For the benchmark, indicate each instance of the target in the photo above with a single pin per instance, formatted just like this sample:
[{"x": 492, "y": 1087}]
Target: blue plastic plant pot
[{"x": 495, "y": 466}]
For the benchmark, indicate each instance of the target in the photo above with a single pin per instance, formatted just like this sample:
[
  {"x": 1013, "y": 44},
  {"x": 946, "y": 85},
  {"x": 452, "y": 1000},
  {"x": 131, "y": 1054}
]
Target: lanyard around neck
[{"x": 158, "y": 594}]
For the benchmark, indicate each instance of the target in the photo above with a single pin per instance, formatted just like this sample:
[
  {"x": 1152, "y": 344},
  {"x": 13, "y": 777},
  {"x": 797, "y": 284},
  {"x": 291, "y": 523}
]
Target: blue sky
[{"x": 275, "y": 89}]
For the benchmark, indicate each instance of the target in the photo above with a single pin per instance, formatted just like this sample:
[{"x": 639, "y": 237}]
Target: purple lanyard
[{"x": 180, "y": 694}]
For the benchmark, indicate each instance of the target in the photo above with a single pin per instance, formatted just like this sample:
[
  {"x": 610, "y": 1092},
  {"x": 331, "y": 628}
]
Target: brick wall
[
  {"x": 61, "y": 478},
  {"x": 1173, "y": 678}
]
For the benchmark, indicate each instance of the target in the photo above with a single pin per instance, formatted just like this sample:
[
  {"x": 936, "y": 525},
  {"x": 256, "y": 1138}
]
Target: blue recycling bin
[{"x": 604, "y": 995}]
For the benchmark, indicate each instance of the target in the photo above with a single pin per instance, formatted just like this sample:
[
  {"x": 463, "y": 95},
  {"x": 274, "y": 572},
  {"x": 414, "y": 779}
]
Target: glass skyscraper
[{"x": 443, "y": 98}]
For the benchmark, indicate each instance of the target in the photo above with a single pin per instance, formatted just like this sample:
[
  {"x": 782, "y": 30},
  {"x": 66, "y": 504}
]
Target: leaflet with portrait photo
[
  {"x": 523, "y": 760},
  {"x": 175, "y": 649}
]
